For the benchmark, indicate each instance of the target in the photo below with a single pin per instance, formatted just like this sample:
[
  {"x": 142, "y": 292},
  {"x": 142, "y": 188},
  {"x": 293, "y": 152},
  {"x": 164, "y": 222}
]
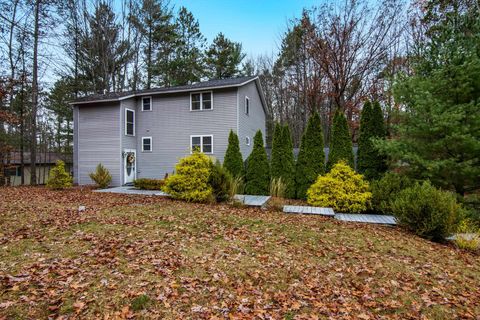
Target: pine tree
[
  {"x": 311, "y": 157},
  {"x": 276, "y": 157},
  {"x": 369, "y": 161},
  {"x": 258, "y": 170},
  {"x": 223, "y": 57},
  {"x": 233, "y": 157},
  {"x": 340, "y": 143}
]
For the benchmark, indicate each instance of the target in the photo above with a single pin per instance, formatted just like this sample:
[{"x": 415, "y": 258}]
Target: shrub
[
  {"x": 430, "y": 213},
  {"x": 233, "y": 157},
  {"x": 58, "y": 177},
  {"x": 277, "y": 188},
  {"x": 340, "y": 142},
  {"x": 282, "y": 163},
  {"x": 221, "y": 182},
  {"x": 370, "y": 162},
  {"x": 311, "y": 157},
  {"x": 237, "y": 186},
  {"x": 468, "y": 235},
  {"x": 149, "y": 184},
  {"x": 342, "y": 189},
  {"x": 258, "y": 170},
  {"x": 101, "y": 176},
  {"x": 190, "y": 182},
  {"x": 385, "y": 190}
]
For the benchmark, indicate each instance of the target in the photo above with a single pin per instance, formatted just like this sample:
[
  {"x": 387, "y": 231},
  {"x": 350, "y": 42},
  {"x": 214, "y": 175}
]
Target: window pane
[
  {"x": 207, "y": 105},
  {"x": 146, "y": 103},
  {"x": 196, "y": 141},
  {"x": 207, "y": 140},
  {"x": 195, "y": 105},
  {"x": 130, "y": 128},
  {"x": 207, "y": 96},
  {"x": 129, "y": 116},
  {"x": 207, "y": 148},
  {"x": 195, "y": 97},
  {"x": 147, "y": 144}
]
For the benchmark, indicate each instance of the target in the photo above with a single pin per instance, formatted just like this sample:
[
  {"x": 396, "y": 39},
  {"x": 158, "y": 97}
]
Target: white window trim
[
  {"x": 201, "y": 142},
  {"x": 151, "y": 144},
  {"x": 247, "y": 112},
  {"x": 201, "y": 100},
  {"x": 151, "y": 107},
  {"x": 130, "y": 135}
]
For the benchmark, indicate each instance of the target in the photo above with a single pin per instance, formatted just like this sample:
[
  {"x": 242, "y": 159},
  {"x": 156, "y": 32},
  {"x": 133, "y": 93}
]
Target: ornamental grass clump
[
  {"x": 191, "y": 179},
  {"x": 101, "y": 176},
  {"x": 59, "y": 178},
  {"x": 341, "y": 189}
]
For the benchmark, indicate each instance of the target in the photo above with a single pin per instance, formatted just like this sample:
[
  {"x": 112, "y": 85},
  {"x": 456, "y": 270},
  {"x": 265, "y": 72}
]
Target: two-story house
[{"x": 143, "y": 134}]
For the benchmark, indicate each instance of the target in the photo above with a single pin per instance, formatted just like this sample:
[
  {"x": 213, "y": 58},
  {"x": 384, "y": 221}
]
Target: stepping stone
[
  {"x": 309, "y": 210},
  {"x": 132, "y": 190},
  {"x": 253, "y": 201},
  {"x": 366, "y": 218}
]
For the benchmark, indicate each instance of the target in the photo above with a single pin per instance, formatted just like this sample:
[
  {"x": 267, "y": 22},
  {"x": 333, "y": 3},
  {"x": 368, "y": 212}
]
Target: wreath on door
[{"x": 131, "y": 158}]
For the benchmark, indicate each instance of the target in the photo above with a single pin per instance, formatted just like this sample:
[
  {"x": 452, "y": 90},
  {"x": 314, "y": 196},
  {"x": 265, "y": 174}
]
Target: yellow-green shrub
[
  {"x": 342, "y": 189},
  {"x": 468, "y": 236},
  {"x": 101, "y": 176},
  {"x": 190, "y": 181},
  {"x": 58, "y": 177},
  {"x": 149, "y": 184}
]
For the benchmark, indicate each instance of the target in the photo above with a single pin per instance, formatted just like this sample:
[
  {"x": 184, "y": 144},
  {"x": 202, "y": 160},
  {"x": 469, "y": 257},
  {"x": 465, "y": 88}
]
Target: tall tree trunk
[{"x": 33, "y": 137}]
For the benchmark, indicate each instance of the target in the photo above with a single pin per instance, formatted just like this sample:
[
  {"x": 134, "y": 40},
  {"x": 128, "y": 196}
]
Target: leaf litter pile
[{"x": 130, "y": 256}]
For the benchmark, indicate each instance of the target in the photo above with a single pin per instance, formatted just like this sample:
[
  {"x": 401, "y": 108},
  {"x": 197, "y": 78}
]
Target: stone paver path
[
  {"x": 253, "y": 201},
  {"x": 132, "y": 190},
  {"x": 366, "y": 218},
  {"x": 309, "y": 210}
]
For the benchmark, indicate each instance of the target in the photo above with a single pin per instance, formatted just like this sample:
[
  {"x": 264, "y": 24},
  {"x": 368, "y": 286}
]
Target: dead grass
[{"x": 149, "y": 257}]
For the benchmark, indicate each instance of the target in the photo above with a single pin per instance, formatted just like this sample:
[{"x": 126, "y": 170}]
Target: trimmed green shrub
[
  {"x": 340, "y": 142},
  {"x": 342, "y": 189},
  {"x": 428, "y": 212},
  {"x": 190, "y": 181},
  {"x": 59, "y": 178},
  {"x": 233, "y": 161},
  {"x": 101, "y": 176},
  {"x": 370, "y": 162},
  {"x": 149, "y": 184},
  {"x": 311, "y": 157},
  {"x": 258, "y": 170},
  {"x": 282, "y": 163},
  {"x": 386, "y": 189},
  {"x": 221, "y": 182}
]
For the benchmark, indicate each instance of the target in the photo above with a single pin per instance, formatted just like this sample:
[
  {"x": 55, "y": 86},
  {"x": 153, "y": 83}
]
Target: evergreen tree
[
  {"x": 340, "y": 143},
  {"x": 60, "y": 95},
  {"x": 223, "y": 58},
  {"x": 282, "y": 162},
  {"x": 258, "y": 170},
  {"x": 233, "y": 157},
  {"x": 311, "y": 157},
  {"x": 369, "y": 161},
  {"x": 276, "y": 157}
]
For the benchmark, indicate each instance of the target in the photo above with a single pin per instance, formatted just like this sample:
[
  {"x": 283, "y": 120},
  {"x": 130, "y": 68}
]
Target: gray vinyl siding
[
  {"x": 255, "y": 120},
  {"x": 98, "y": 136},
  {"x": 171, "y": 123},
  {"x": 75, "y": 144}
]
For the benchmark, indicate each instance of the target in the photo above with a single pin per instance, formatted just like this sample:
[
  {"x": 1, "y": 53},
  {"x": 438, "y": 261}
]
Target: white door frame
[{"x": 134, "y": 151}]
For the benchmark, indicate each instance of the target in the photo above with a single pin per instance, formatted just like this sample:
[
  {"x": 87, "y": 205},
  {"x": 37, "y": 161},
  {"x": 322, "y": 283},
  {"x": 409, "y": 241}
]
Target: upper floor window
[
  {"x": 129, "y": 122},
  {"x": 202, "y": 143},
  {"x": 247, "y": 106},
  {"x": 201, "y": 101},
  {"x": 146, "y": 144},
  {"x": 147, "y": 104}
]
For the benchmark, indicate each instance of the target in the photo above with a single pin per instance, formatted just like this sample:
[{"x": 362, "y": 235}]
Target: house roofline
[{"x": 150, "y": 93}]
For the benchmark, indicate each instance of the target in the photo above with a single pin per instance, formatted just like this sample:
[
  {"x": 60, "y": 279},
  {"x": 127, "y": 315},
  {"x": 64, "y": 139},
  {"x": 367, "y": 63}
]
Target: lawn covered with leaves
[{"x": 144, "y": 257}]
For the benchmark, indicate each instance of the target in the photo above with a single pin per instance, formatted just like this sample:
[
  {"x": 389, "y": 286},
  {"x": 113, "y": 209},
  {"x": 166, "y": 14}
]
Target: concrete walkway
[
  {"x": 366, "y": 218},
  {"x": 252, "y": 201},
  {"x": 132, "y": 190},
  {"x": 309, "y": 210}
]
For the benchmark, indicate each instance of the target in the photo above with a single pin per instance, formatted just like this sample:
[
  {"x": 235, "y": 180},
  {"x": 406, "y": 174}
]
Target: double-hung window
[
  {"x": 147, "y": 104},
  {"x": 201, "y": 101},
  {"x": 146, "y": 144},
  {"x": 202, "y": 143},
  {"x": 129, "y": 122}
]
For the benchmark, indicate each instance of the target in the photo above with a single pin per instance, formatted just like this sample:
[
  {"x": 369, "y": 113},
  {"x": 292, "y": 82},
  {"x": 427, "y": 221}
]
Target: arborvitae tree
[
  {"x": 369, "y": 161},
  {"x": 258, "y": 169},
  {"x": 282, "y": 164},
  {"x": 311, "y": 157},
  {"x": 288, "y": 174},
  {"x": 340, "y": 143},
  {"x": 223, "y": 57},
  {"x": 276, "y": 167},
  {"x": 233, "y": 161}
]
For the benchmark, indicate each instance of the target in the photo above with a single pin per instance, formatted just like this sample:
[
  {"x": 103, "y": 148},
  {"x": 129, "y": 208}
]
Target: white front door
[{"x": 129, "y": 164}]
